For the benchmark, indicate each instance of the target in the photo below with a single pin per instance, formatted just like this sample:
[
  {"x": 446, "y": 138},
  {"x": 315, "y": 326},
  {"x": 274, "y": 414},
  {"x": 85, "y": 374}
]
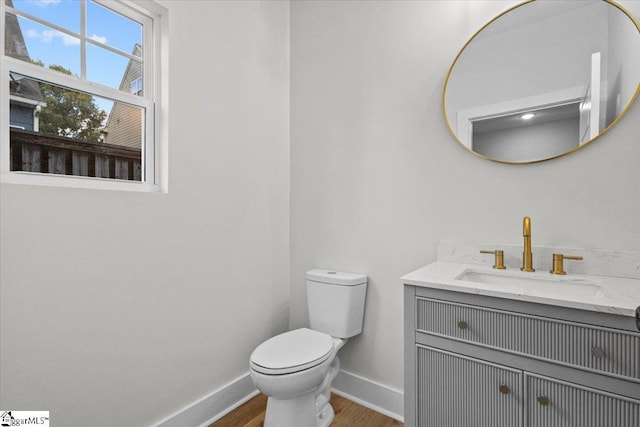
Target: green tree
[{"x": 69, "y": 113}]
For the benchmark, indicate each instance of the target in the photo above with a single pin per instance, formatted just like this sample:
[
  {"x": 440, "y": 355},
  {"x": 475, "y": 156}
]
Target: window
[
  {"x": 136, "y": 86},
  {"x": 81, "y": 93}
]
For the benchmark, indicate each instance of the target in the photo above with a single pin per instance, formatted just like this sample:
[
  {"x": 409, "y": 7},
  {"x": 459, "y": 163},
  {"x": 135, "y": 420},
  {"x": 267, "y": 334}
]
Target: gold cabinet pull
[
  {"x": 463, "y": 325},
  {"x": 499, "y": 258},
  {"x": 504, "y": 389},
  {"x": 598, "y": 352},
  {"x": 558, "y": 267},
  {"x": 543, "y": 400}
]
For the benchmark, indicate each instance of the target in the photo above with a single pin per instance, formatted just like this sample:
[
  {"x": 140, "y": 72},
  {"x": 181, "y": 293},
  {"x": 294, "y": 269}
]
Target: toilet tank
[{"x": 336, "y": 302}]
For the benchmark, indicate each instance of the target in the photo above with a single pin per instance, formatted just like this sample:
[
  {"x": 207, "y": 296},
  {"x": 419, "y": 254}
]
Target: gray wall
[
  {"x": 377, "y": 180},
  {"x": 537, "y": 141},
  {"x": 121, "y": 308}
]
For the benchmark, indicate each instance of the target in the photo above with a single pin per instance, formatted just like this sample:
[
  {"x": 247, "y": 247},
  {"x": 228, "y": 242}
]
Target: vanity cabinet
[{"x": 479, "y": 361}]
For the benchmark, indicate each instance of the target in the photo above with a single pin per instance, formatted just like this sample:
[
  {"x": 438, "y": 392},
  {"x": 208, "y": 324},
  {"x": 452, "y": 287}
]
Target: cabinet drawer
[
  {"x": 553, "y": 403},
  {"x": 608, "y": 351}
]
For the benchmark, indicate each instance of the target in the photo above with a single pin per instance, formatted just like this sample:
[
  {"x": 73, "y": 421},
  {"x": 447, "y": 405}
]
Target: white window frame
[{"x": 155, "y": 73}]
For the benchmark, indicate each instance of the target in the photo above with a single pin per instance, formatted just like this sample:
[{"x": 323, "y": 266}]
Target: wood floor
[{"x": 348, "y": 414}]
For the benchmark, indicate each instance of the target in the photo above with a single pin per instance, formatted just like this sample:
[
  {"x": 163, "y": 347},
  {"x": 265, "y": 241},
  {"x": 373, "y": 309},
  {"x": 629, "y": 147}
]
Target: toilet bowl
[{"x": 295, "y": 369}]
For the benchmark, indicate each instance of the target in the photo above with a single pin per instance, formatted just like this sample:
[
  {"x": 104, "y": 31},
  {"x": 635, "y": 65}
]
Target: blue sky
[{"x": 53, "y": 47}]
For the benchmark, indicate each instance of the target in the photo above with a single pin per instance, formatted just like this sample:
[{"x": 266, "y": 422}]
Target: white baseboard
[
  {"x": 213, "y": 406},
  {"x": 370, "y": 394},
  {"x": 219, "y": 403}
]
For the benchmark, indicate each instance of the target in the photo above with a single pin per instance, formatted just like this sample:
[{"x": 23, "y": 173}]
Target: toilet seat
[{"x": 291, "y": 352}]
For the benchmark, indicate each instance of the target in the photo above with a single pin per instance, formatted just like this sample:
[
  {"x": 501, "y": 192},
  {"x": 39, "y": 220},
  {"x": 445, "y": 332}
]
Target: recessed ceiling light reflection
[{"x": 527, "y": 116}]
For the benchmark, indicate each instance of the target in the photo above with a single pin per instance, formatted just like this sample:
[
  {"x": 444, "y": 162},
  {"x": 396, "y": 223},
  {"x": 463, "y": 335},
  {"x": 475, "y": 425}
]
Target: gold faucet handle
[
  {"x": 499, "y": 258},
  {"x": 558, "y": 267}
]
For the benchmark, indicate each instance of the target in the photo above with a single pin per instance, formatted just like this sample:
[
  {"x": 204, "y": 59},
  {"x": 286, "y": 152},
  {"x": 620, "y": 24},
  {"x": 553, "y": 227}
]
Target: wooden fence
[{"x": 37, "y": 152}]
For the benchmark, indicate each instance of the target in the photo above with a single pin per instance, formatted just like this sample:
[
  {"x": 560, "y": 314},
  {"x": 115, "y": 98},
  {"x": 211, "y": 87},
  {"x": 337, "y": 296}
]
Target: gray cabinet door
[
  {"x": 459, "y": 391},
  {"x": 553, "y": 403}
]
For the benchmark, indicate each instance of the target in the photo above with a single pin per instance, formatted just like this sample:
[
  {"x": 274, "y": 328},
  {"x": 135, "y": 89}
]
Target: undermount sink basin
[{"x": 537, "y": 284}]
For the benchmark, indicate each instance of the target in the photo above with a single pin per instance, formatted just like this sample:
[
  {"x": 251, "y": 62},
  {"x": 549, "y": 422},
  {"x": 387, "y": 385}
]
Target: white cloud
[
  {"x": 44, "y": 3},
  {"x": 99, "y": 39},
  {"x": 47, "y": 36},
  {"x": 31, "y": 33},
  {"x": 68, "y": 40}
]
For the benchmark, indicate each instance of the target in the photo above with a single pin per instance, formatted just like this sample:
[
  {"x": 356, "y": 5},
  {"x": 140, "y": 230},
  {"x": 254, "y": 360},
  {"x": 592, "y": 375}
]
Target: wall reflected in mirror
[{"x": 543, "y": 79}]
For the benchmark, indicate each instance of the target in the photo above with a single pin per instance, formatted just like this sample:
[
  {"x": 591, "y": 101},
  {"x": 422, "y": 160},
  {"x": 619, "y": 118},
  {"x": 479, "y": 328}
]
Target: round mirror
[{"x": 543, "y": 79}]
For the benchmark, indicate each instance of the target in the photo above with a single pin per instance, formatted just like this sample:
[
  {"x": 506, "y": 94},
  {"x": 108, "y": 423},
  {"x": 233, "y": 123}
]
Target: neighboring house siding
[
  {"x": 21, "y": 116},
  {"x": 124, "y": 125}
]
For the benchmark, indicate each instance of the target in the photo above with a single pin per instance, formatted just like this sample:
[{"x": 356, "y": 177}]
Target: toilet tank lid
[{"x": 336, "y": 277}]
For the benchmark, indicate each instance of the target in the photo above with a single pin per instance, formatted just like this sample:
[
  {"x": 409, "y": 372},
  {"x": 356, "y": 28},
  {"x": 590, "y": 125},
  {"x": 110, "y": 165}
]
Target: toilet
[{"x": 295, "y": 369}]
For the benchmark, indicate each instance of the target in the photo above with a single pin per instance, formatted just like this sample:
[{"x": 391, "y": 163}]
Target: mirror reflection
[{"x": 543, "y": 79}]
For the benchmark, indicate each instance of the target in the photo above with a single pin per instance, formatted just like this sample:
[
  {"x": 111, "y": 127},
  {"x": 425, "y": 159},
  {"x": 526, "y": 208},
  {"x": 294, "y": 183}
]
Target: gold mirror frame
[{"x": 601, "y": 132}]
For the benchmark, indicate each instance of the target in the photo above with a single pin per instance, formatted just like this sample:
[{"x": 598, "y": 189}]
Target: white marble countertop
[{"x": 586, "y": 292}]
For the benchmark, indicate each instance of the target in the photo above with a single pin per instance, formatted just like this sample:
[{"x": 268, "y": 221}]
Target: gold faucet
[{"x": 527, "y": 255}]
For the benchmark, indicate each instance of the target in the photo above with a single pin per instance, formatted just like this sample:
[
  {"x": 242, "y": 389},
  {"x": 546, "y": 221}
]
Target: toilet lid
[{"x": 292, "y": 352}]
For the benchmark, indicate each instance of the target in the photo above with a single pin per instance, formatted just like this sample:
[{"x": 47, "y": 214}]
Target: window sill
[{"x": 67, "y": 181}]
